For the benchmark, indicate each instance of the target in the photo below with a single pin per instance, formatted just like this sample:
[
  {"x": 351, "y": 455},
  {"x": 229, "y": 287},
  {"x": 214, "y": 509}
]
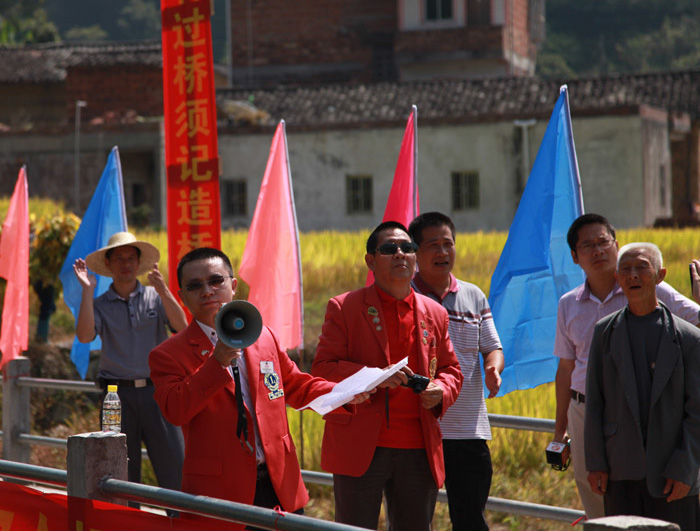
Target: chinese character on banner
[{"x": 191, "y": 149}]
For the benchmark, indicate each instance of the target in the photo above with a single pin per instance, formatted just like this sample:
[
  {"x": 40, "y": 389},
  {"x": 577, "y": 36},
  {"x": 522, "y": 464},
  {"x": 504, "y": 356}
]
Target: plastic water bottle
[{"x": 112, "y": 411}]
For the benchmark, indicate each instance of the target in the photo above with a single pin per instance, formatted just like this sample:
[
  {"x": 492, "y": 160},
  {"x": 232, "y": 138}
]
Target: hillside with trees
[
  {"x": 36, "y": 21},
  {"x": 606, "y": 36}
]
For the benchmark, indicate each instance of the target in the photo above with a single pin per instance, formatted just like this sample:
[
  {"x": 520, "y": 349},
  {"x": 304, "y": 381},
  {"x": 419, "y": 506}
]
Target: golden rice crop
[{"x": 333, "y": 262}]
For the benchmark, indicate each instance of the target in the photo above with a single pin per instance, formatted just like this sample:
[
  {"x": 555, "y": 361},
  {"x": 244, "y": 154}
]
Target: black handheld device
[{"x": 417, "y": 382}]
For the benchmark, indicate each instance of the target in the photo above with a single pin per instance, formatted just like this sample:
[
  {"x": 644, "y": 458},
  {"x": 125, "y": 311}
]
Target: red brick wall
[
  {"x": 115, "y": 89},
  {"x": 521, "y": 35},
  {"x": 38, "y": 104},
  {"x": 312, "y": 31},
  {"x": 333, "y": 40},
  {"x": 516, "y": 34},
  {"x": 453, "y": 39}
]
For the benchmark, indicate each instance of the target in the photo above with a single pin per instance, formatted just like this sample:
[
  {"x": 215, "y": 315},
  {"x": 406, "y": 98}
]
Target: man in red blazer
[
  {"x": 392, "y": 444},
  {"x": 195, "y": 390}
]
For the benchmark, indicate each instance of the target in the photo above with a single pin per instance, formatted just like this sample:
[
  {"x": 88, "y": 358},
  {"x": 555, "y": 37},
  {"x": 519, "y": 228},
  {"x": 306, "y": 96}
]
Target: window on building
[
  {"x": 358, "y": 192},
  {"x": 383, "y": 64},
  {"x": 138, "y": 194},
  {"x": 465, "y": 190},
  {"x": 478, "y": 13},
  {"x": 235, "y": 197},
  {"x": 436, "y": 10}
]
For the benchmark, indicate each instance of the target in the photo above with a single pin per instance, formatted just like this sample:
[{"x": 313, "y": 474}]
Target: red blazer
[
  {"x": 350, "y": 340},
  {"x": 194, "y": 391}
]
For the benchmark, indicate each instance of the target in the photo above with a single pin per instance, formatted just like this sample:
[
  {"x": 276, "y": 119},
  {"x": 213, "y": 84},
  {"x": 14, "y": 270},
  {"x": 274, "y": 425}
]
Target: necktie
[{"x": 242, "y": 426}]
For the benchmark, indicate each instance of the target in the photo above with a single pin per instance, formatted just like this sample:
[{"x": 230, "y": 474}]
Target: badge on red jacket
[{"x": 272, "y": 382}]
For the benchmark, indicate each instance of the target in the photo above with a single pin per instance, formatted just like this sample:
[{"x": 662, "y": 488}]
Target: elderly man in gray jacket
[{"x": 642, "y": 427}]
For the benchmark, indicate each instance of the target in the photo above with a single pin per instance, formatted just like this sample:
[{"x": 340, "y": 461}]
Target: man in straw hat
[{"x": 131, "y": 319}]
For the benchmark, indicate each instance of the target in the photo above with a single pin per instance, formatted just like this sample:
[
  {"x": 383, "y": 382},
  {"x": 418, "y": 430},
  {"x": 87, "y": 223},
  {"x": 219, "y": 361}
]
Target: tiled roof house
[{"x": 39, "y": 87}]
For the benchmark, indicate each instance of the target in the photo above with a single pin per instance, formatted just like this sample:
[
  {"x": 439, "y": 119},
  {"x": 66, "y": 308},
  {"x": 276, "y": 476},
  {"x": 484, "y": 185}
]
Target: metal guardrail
[
  {"x": 64, "y": 385},
  {"x": 37, "y": 474},
  {"x": 537, "y": 510},
  {"x": 171, "y": 499},
  {"x": 322, "y": 478},
  {"x": 521, "y": 423},
  {"x": 202, "y": 505},
  {"x": 212, "y": 507}
]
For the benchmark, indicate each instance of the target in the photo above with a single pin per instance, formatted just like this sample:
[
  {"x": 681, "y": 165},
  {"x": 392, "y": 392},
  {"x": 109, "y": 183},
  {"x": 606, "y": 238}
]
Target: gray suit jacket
[{"x": 613, "y": 436}]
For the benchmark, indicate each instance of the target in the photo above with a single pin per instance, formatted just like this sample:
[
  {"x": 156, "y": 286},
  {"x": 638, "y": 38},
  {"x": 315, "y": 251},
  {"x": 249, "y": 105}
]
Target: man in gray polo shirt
[{"x": 131, "y": 320}]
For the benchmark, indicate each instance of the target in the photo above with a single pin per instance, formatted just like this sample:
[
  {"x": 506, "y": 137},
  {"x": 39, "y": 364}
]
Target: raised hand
[
  {"x": 86, "y": 279},
  {"x": 155, "y": 279}
]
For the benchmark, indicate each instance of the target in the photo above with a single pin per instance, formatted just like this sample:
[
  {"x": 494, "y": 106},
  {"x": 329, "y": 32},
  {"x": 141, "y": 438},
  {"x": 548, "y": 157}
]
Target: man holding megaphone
[{"x": 237, "y": 441}]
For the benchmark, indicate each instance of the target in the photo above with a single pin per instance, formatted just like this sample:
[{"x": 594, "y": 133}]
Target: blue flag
[
  {"x": 535, "y": 268},
  {"x": 104, "y": 216}
]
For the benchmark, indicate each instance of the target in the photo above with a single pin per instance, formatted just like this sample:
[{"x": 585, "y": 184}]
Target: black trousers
[
  {"x": 265, "y": 495},
  {"x": 633, "y": 498},
  {"x": 468, "y": 472},
  {"x": 404, "y": 477}
]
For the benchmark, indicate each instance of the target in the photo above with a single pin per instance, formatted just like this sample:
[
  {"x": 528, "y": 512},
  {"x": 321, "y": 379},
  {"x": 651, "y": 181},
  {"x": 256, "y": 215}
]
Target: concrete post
[
  {"x": 91, "y": 457},
  {"x": 637, "y": 523},
  {"x": 16, "y": 413}
]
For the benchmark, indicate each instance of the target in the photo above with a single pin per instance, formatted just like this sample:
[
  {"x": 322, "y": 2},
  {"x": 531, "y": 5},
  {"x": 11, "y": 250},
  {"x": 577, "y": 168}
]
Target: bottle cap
[{"x": 111, "y": 388}]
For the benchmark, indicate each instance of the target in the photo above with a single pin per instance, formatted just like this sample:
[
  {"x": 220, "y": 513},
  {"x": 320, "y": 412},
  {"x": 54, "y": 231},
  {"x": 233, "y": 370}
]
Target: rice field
[{"x": 332, "y": 263}]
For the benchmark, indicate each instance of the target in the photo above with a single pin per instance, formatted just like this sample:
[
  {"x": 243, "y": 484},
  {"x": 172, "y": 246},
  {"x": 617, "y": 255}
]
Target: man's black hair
[
  {"x": 110, "y": 251},
  {"x": 429, "y": 219},
  {"x": 201, "y": 253},
  {"x": 374, "y": 237},
  {"x": 582, "y": 221}
]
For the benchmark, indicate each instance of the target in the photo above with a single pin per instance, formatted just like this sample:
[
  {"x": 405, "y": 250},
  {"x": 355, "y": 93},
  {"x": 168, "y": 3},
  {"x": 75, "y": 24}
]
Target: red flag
[
  {"x": 402, "y": 205},
  {"x": 271, "y": 263},
  {"x": 14, "y": 267}
]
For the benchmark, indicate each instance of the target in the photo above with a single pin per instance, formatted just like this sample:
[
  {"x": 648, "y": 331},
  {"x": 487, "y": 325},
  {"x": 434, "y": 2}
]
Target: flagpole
[
  {"x": 296, "y": 230},
  {"x": 570, "y": 135},
  {"x": 301, "y": 284},
  {"x": 120, "y": 184},
  {"x": 415, "y": 161}
]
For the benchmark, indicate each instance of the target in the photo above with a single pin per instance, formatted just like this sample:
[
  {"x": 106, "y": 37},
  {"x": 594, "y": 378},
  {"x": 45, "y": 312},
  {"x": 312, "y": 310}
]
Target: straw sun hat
[{"x": 149, "y": 254}]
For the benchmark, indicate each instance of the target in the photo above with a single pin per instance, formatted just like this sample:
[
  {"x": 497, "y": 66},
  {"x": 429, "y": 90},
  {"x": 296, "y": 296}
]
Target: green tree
[
  {"x": 86, "y": 33},
  {"x": 673, "y": 45},
  {"x": 53, "y": 237},
  {"x": 621, "y": 35},
  {"x": 26, "y": 21},
  {"x": 140, "y": 19}
]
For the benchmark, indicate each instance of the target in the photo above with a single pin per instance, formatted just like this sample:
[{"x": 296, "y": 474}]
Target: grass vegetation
[{"x": 333, "y": 263}]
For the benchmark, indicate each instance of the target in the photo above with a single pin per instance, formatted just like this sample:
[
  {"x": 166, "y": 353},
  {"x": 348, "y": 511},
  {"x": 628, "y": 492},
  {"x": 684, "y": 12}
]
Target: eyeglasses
[
  {"x": 214, "y": 282},
  {"x": 590, "y": 246},
  {"x": 392, "y": 248}
]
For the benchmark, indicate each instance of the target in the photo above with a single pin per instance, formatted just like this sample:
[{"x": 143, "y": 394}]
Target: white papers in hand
[{"x": 362, "y": 381}]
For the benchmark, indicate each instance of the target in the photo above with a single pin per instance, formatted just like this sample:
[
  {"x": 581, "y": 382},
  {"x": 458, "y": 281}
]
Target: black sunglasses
[
  {"x": 392, "y": 248},
  {"x": 214, "y": 282}
]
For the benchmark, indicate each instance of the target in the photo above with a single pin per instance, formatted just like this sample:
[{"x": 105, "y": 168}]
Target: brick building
[
  {"x": 365, "y": 41},
  {"x": 637, "y": 136}
]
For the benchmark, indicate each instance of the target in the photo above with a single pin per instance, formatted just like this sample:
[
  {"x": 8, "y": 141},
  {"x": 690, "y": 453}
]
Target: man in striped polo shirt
[{"x": 465, "y": 426}]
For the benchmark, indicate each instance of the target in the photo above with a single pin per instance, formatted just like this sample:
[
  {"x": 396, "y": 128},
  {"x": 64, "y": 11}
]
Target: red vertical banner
[{"x": 191, "y": 148}]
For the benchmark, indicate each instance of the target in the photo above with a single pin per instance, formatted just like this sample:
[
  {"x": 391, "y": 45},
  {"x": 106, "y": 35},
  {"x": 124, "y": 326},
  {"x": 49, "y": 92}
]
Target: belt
[
  {"x": 143, "y": 382},
  {"x": 578, "y": 397}
]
